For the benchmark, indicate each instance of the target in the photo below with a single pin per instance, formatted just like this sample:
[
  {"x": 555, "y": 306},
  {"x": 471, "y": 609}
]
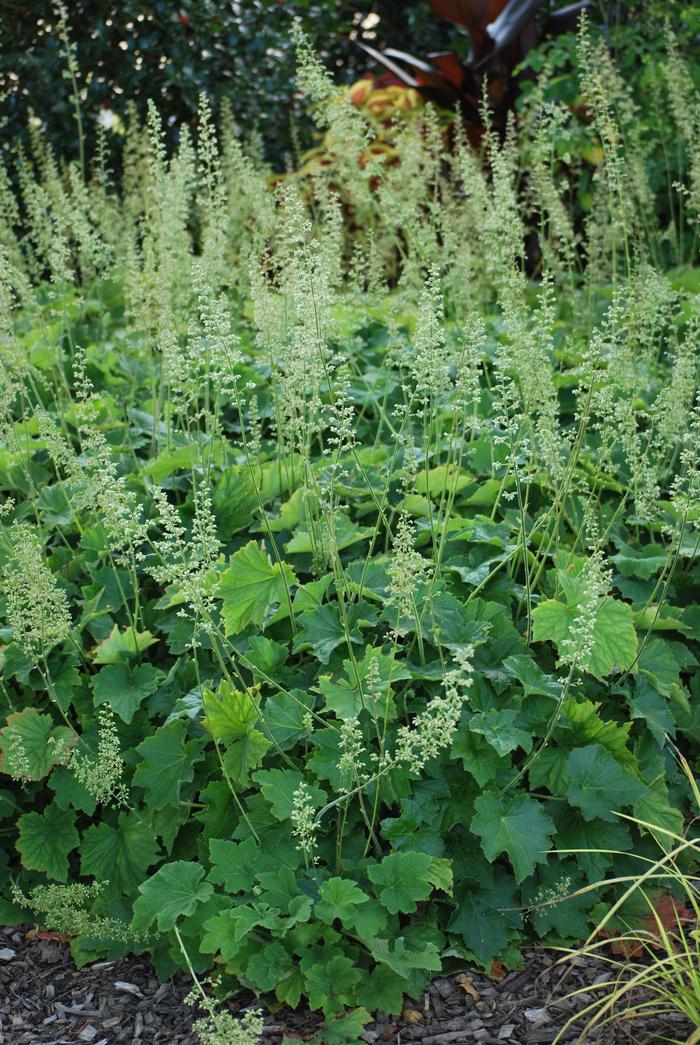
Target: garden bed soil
[{"x": 44, "y": 1000}]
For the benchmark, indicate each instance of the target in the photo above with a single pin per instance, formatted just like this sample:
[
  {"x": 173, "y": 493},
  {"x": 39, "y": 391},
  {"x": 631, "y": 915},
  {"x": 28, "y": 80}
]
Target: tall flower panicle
[
  {"x": 407, "y": 570},
  {"x": 36, "y": 608},
  {"x": 433, "y": 730},
  {"x": 577, "y": 648},
  {"x": 102, "y": 774},
  {"x": 431, "y": 364},
  {"x": 304, "y": 827}
]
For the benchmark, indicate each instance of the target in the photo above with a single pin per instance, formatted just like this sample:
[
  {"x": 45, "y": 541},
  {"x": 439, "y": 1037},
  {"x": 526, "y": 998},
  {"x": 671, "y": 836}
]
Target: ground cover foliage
[{"x": 349, "y": 571}]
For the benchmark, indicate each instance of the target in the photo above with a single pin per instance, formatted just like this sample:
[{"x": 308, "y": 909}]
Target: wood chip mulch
[{"x": 44, "y": 1000}]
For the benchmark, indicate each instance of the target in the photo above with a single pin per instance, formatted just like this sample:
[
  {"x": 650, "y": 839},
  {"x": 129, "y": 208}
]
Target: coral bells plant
[{"x": 349, "y": 579}]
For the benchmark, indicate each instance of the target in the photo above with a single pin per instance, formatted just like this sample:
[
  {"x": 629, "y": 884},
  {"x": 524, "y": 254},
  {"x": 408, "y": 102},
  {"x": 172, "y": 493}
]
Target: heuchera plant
[{"x": 335, "y": 617}]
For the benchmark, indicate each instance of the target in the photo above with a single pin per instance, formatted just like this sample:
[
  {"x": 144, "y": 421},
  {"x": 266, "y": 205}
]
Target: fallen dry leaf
[
  {"x": 669, "y": 912},
  {"x": 467, "y": 984}
]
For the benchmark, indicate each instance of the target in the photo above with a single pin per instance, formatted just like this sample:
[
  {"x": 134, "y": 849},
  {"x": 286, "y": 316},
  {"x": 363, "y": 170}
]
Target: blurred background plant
[
  {"x": 171, "y": 52},
  {"x": 244, "y": 52}
]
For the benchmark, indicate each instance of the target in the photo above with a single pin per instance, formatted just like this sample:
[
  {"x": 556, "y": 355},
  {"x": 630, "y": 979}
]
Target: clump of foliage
[
  {"x": 334, "y": 611},
  {"x": 655, "y": 963}
]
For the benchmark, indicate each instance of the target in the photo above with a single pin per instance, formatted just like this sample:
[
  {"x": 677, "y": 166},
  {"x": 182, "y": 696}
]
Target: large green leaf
[
  {"x": 553, "y": 907},
  {"x": 339, "y": 898},
  {"x": 658, "y": 664},
  {"x": 484, "y": 918},
  {"x": 231, "y": 716},
  {"x": 233, "y": 863},
  {"x": 322, "y": 629},
  {"x": 278, "y": 787},
  {"x": 345, "y": 1029},
  {"x": 654, "y": 807},
  {"x": 125, "y": 688},
  {"x": 31, "y": 744},
  {"x": 122, "y": 645},
  {"x": 498, "y": 728},
  {"x": 517, "y": 826},
  {"x": 71, "y": 792},
  {"x": 269, "y": 965},
  {"x": 615, "y": 640},
  {"x": 478, "y": 757},
  {"x": 46, "y": 839},
  {"x": 593, "y": 838},
  {"x": 366, "y": 686},
  {"x": 172, "y": 892},
  {"x": 404, "y": 958},
  {"x": 168, "y": 762},
  {"x": 119, "y": 854},
  {"x": 401, "y": 880},
  {"x": 598, "y": 785},
  {"x": 642, "y": 562},
  {"x": 331, "y": 986},
  {"x": 250, "y": 585},
  {"x": 582, "y": 724}
]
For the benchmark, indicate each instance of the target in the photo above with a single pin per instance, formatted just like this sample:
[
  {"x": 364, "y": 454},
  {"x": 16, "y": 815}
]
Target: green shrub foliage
[{"x": 350, "y": 579}]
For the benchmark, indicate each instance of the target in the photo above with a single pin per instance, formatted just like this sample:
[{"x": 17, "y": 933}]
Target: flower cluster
[{"x": 37, "y": 609}]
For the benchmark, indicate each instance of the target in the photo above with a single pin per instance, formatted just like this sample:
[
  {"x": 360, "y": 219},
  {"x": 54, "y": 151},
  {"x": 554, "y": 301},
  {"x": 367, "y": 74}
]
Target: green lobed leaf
[
  {"x": 46, "y": 839},
  {"x": 278, "y": 787},
  {"x": 498, "y": 728},
  {"x": 339, "y": 897},
  {"x": 231, "y": 716},
  {"x": 367, "y": 685},
  {"x": 615, "y": 639},
  {"x": 485, "y": 918},
  {"x": 31, "y": 744},
  {"x": 167, "y": 762},
  {"x": 332, "y": 986},
  {"x": 517, "y": 826},
  {"x": 343, "y": 1030},
  {"x": 172, "y": 892},
  {"x": 592, "y": 838},
  {"x": 124, "y": 687},
  {"x": 233, "y": 863},
  {"x": 122, "y": 645},
  {"x": 251, "y": 584},
  {"x": 269, "y": 965},
  {"x": 642, "y": 562},
  {"x": 403, "y": 959},
  {"x": 321, "y": 630},
  {"x": 119, "y": 854},
  {"x": 401, "y": 880},
  {"x": 598, "y": 785}
]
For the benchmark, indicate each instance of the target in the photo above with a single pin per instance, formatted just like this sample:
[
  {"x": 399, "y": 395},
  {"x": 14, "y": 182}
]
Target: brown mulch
[{"x": 44, "y": 1000}]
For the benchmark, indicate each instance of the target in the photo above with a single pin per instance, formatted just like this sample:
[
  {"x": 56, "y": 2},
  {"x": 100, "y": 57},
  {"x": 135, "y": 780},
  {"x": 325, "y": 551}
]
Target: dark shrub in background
[
  {"x": 172, "y": 51},
  {"x": 242, "y": 49}
]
